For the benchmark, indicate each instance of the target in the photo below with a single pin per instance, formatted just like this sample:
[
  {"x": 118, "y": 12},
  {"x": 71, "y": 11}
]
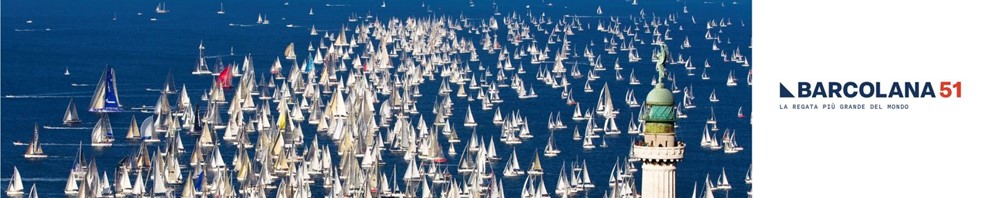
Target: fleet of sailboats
[{"x": 361, "y": 92}]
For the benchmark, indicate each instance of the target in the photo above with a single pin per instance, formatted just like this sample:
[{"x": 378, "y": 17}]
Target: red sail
[{"x": 226, "y": 79}]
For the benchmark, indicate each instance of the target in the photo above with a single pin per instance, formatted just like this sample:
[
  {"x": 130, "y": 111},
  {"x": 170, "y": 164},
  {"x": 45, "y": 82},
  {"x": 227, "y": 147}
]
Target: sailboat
[
  {"x": 383, "y": 4},
  {"x": 105, "y": 97},
  {"x": 34, "y": 150},
  {"x": 71, "y": 188},
  {"x": 201, "y": 67},
  {"x": 536, "y": 168},
  {"x": 16, "y": 186},
  {"x": 221, "y": 12},
  {"x": 352, "y": 18},
  {"x": 731, "y": 81},
  {"x": 512, "y": 166},
  {"x": 749, "y": 177},
  {"x": 740, "y": 113},
  {"x": 290, "y": 52},
  {"x": 71, "y": 116},
  {"x": 706, "y": 138},
  {"x": 34, "y": 191},
  {"x": 451, "y": 150},
  {"x": 551, "y": 149},
  {"x": 631, "y": 99},
  {"x": 723, "y": 181},
  {"x": 102, "y": 135},
  {"x": 161, "y": 8},
  {"x": 577, "y": 112},
  {"x": 576, "y": 136},
  {"x": 311, "y": 12},
  {"x": 712, "y": 120},
  {"x": 632, "y": 78},
  {"x": 133, "y": 132},
  {"x": 749, "y": 78},
  {"x": 469, "y": 119},
  {"x": 729, "y": 139},
  {"x": 67, "y": 71},
  {"x": 587, "y": 144},
  {"x": 712, "y": 97},
  {"x": 605, "y": 107}
]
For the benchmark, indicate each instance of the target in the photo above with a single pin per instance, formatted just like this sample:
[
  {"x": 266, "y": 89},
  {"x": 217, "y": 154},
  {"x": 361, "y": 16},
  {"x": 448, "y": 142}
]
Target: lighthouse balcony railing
[{"x": 656, "y": 152}]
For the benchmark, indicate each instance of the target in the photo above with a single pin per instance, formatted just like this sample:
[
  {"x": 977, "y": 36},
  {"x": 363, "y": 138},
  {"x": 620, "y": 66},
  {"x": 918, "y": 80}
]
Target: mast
[{"x": 201, "y": 67}]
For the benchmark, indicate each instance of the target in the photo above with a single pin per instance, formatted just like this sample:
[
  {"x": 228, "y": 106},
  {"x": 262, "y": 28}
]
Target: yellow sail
[
  {"x": 290, "y": 52},
  {"x": 282, "y": 119}
]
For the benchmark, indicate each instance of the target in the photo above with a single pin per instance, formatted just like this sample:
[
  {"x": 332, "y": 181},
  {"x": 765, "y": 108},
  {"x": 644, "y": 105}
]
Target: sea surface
[{"x": 81, "y": 36}]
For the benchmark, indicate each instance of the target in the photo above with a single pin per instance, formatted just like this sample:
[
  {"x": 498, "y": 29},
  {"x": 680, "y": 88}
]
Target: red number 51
[{"x": 946, "y": 87}]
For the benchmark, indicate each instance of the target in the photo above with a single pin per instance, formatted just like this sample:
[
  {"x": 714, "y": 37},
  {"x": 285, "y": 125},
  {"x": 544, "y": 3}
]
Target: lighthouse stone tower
[{"x": 660, "y": 150}]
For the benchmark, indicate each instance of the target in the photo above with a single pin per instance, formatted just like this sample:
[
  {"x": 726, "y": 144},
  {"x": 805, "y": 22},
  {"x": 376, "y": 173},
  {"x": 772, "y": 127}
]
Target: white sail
[
  {"x": 723, "y": 181},
  {"x": 469, "y": 119},
  {"x": 71, "y": 188}
]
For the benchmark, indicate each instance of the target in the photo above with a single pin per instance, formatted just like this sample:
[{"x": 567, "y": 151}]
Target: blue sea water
[{"x": 80, "y": 35}]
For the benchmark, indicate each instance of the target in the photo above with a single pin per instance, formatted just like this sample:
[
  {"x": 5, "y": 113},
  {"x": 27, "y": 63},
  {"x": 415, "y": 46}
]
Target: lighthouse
[{"x": 659, "y": 150}]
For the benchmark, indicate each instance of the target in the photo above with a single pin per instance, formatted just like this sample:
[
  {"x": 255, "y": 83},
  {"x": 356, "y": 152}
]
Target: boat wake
[
  {"x": 573, "y": 63},
  {"x": 81, "y": 85},
  {"x": 36, "y": 96},
  {"x": 335, "y": 5},
  {"x": 583, "y": 16},
  {"x": 217, "y": 56},
  {"x": 116, "y": 144},
  {"x": 241, "y": 25},
  {"x": 33, "y": 30},
  {"x": 66, "y": 128},
  {"x": 39, "y": 179}
]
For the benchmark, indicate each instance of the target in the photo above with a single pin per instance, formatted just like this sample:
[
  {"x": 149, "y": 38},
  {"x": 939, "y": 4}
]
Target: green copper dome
[
  {"x": 660, "y": 96},
  {"x": 660, "y": 105}
]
